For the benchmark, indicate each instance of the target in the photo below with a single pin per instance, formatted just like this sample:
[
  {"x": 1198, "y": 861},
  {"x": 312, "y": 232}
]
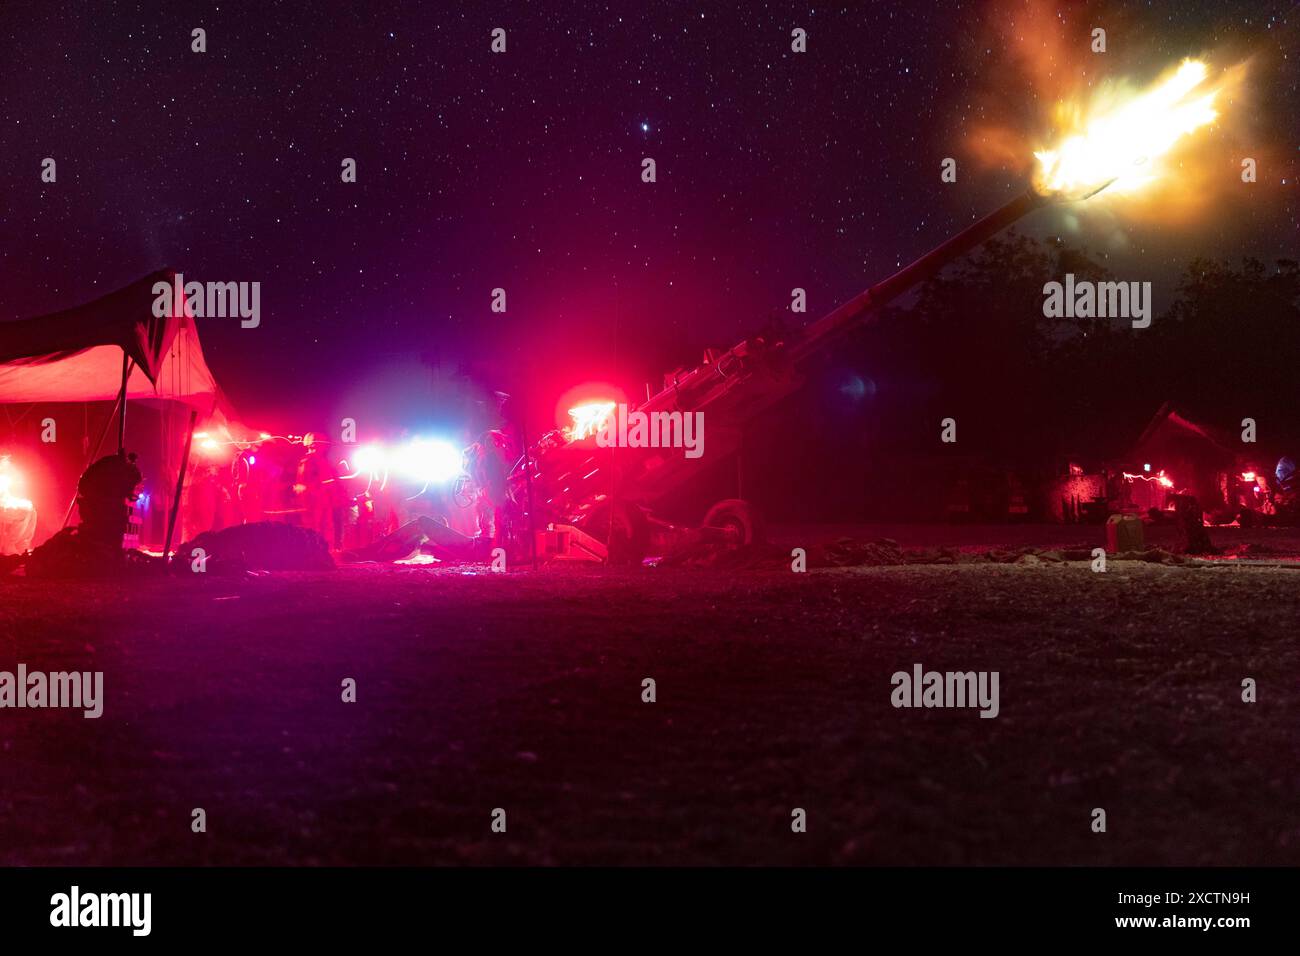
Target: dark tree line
[
  {"x": 1029, "y": 392},
  {"x": 975, "y": 345}
]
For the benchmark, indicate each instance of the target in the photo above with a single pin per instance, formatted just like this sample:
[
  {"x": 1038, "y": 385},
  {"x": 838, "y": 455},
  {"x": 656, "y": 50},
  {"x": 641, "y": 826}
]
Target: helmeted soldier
[{"x": 105, "y": 493}]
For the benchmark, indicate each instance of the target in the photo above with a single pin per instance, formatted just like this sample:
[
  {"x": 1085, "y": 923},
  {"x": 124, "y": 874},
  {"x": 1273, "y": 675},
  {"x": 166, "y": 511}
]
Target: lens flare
[
  {"x": 369, "y": 459},
  {"x": 431, "y": 461}
]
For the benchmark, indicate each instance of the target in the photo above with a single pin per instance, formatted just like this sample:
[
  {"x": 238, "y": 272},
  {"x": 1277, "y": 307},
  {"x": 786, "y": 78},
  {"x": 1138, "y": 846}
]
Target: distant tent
[
  {"x": 1168, "y": 428},
  {"x": 1196, "y": 456},
  {"x": 68, "y": 366}
]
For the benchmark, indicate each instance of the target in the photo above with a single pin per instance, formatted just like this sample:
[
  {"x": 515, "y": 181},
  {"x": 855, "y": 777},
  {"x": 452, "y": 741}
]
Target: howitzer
[{"x": 611, "y": 493}]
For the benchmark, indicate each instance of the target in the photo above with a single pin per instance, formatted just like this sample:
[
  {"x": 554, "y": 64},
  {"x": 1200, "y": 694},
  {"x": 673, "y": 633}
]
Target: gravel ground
[{"x": 523, "y": 691}]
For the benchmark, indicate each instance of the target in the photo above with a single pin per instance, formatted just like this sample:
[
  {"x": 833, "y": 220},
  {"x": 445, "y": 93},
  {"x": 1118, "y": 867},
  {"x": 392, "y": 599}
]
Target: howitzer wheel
[{"x": 737, "y": 520}]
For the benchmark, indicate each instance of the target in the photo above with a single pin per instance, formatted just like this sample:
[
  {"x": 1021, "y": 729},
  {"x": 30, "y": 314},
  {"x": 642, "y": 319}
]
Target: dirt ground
[{"x": 523, "y": 691}]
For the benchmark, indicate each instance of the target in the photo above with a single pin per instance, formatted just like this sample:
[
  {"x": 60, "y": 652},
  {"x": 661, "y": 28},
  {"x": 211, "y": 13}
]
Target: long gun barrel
[
  {"x": 864, "y": 304},
  {"x": 707, "y": 384}
]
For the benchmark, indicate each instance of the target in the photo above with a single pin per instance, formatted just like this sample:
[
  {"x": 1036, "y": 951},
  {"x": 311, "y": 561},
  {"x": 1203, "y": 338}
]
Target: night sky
[{"x": 522, "y": 170}]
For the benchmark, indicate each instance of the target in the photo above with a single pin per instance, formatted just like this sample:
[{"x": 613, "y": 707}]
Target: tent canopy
[
  {"x": 1169, "y": 426},
  {"x": 76, "y": 355}
]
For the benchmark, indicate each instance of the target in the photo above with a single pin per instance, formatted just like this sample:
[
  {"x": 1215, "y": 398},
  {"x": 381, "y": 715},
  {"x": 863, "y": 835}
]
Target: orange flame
[
  {"x": 1119, "y": 141},
  {"x": 588, "y": 419},
  {"x": 8, "y": 480}
]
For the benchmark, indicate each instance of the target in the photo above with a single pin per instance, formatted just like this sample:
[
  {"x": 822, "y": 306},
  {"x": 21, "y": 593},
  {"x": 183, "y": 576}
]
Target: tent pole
[
  {"x": 121, "y": 401},
  {"x": 94, "y": 453},
  {"x": 180, "y": 484},
  {"x": 528, "y": 478}
]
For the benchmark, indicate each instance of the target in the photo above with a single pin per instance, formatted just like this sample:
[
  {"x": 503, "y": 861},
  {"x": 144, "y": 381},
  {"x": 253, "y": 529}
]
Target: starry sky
[{"x": 522, "y": 170}]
